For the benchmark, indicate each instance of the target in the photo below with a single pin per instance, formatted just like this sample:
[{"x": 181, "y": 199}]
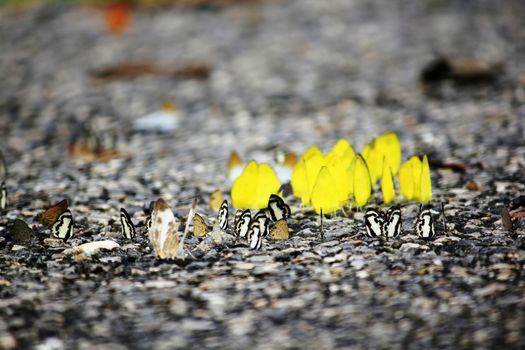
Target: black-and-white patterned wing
[
  {"x": 425, "y": 224},
  {"x": 63, "y": 227},
  {"x": 223, "y": 216},
  {"x": 3, "y": 196},
  {"x": 258, "y": 229},
  {"x": 278, "y": 208},
  {"x": 374, "y": 221},
  {"x": 128, "y": 229},
  {"x": 242, "y": 224},
  {"x": 392, "y": 225}
]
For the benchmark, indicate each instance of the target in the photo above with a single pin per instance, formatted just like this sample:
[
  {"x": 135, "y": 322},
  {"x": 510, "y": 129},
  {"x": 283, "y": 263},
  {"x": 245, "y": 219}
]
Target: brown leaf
[{"x": 472, "y": 186}]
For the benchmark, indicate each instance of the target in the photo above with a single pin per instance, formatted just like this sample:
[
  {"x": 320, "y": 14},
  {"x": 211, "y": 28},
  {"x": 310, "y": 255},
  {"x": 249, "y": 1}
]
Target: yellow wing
[
  {"x": 387, "y": 184},
  {"x": 244, "y": 188},
  {"x": 426, "y": 183},
  {"x": 267, "y": 183},
  {"x": 299, "y": 181},
  {"x": 338, "y": 172},
  {"x": 406, "y": 182},
  {"x": 391, "y": 150},
  {"x": 415, "y": 168},
  {"x": 362, "y": 183},
  {"x": 324, "y": 194}
]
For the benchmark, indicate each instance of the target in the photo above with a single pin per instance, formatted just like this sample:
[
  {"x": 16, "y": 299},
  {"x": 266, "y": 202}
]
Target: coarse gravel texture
[{"x": 284, "y": 74}]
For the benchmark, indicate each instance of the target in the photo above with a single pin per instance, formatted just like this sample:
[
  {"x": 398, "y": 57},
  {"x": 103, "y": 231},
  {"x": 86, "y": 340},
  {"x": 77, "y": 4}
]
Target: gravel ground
[{"x": 284, "y": 74}]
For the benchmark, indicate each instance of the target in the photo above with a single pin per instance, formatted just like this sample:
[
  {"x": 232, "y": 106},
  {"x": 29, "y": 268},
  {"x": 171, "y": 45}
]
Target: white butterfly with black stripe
[
  {"x": 63, "y": 227},
  {"x": 259, "y": 227},
  {"x": 425, "y": 223},
  {"x": 128, "y": 229},
  {"x": 378, "y": 224},
  {"x": 374, "y": 221},
  {"x": 278, "y": 208},
  {"x": 242, "y": 223},
  {"x": 223, "y": 216},
  {"x": 392, "y": 223}
]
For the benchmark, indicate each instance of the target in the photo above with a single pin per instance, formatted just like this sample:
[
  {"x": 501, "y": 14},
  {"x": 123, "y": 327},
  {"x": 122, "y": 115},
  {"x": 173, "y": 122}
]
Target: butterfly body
[
  {"x": 278, "y": 208},
  {"x": 223, "y": 216},
  {"x": 392, "y": 223},
  {"x": 128, "y": 229},
  {"x": 242, "y": 224},
  {"x": 374, "y": 221},
  {"x": 63, "y": 226},
  {"x": 425, "y": 224}
]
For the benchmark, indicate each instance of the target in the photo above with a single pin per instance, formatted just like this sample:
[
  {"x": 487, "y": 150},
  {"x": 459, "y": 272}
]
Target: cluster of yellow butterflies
[{"x": 328, "y": 182}]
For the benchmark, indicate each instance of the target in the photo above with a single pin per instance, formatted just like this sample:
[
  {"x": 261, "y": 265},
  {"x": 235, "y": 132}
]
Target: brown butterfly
[
  {"x": 163, "y": 233},
  {"x": 200, "y": 228},
  {"x": 280, "y": 230},
  {"x": 49, "y": 216}
]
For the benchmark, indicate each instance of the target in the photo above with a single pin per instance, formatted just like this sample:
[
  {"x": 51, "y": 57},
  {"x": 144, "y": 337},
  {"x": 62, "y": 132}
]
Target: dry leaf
[{"x": 472, "y": 186}]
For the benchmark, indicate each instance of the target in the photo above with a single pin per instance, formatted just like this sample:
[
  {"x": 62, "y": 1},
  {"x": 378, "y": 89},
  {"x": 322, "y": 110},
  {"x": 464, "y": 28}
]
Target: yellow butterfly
[
  {"x": 324, "y": 194},
  {"x": 254, "y": 186},
  {"x": 414, "y": 179},
  {"x": 387, "y": 184},
  {"x": 362, "y": 185}
]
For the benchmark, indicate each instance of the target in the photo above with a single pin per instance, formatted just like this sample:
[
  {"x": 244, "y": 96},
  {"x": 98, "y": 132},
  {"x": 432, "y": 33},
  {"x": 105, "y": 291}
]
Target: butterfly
[
  {"x": 216, "y": 199},
  {"x": 258, "y": 229},
  {"x": 280, "y": 231},
  {"x": 3, "y": 196},
  {"x": 392, "y": 223},
  {"x": 128, "y": 229},
  {"x": 163, "y": 232},
  {"x": 374, "y": 221},
  {"x": 253, "y": 187},
  {"x": 63, "y": 226},
  {"x": 21, "y": 231},
  {"x": 425, "y": 224},
  {"x": 242, "y": 222},
  {"x": 278, "y": 208},
  {"x": 200, "y": 228},
  {"x": 223, "y": 216},
  {"x": 49, "y": 216}
]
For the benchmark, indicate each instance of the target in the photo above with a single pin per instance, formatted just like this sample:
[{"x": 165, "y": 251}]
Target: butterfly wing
[
  {"x": 242, "y": 225},
  {"x": 425, "y": 224},
  {"x": 392, "y": 226},
  {"x": 63, "y": 226},
  {"x": 3, "y": 196},
  {"x": 223, "y": 216},
  {"x": 200, "y": 228},
  {"x": 278, "y": 208},
  {"x": 373, "y": 222},
  {"x": 128, "y": 229},
  {"x": 280, "y": 230}
]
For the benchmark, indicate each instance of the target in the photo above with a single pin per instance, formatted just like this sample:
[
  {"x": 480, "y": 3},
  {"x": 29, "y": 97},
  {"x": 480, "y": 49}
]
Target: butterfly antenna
[
  {"x": 444, "y": 217},
  {"x": 322, "y": 233},
  {"x": 191, "y": 215}
]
